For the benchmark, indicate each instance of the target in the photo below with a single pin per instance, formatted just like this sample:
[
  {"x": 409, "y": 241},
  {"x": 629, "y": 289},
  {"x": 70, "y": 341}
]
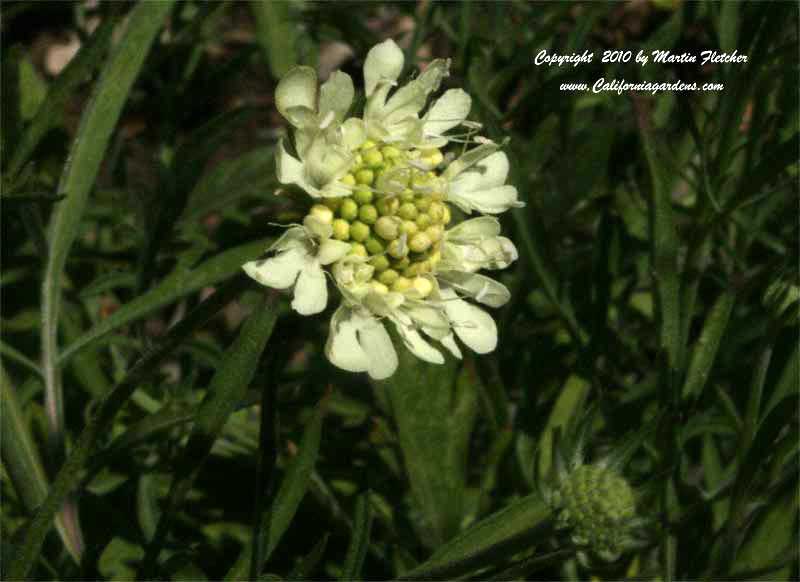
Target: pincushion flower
[{"x": 384, "y": 227}]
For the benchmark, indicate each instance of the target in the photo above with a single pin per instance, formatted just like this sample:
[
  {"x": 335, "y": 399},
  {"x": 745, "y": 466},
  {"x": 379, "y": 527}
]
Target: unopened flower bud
[
  {"x": 358, "y": 249},
  {"x": 359, "y": 231},
  {"x": 348, "y": 180},
  {"x": 422, "y": 286},
  {"x": 434, "y": 231},
  {"x": 423, "y": 221},
  {"x": 348, "y": 209},
  {"x": 401, "y": 284},
  {"x": 379, "y": 287},
  {"x": 422, "y": 203},
  {"x": 321, "y": 213},
  {"x": 407, "y": 211},
  {"x": 374, "y": 246},
  {"x": 341, "y": 229},
  {"x": 388, "y": 206},
  {"x": 391, "y": 152},
  {"x": 407, "y": 195},
  {"x": 368, "y": 214},
  {"x": 362, "y": 195},
  {"x": 388, "y": 277},
  {"x": 409, "y": 227},
  {"x": 436, "y": 211},
  {"x": 332, "y": 203},
  {"x": 373, "y": 157},
  {"x": 379, "y": 262},
  {"x": 387, "y": 227},
  {"x": 365, "y": 176},
  {"x": 398, "y": 248},
  {"x": 420, "y": 242}
]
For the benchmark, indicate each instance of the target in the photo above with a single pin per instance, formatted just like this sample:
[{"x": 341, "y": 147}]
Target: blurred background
[{"x": 654, "y": 304}]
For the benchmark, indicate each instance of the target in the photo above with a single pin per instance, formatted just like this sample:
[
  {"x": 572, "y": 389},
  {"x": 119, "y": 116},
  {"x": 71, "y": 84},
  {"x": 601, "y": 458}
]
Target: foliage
[{"x": 146, "y": 428}]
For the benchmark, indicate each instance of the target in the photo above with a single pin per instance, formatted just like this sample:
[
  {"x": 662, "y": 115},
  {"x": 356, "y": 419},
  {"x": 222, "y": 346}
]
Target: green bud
[
  {"x": 379, "y": 287},
  {"x": 423, "y": 221},
  {"x": 388, "y": 206},
  {"x": 401, "y": 284},
  {"x": 368, "y": 145},
  {"x": 322, "y": 213},
  {"x": 368, "y": 214},
  {"x": 359, "y": 231},
  {"x": 407, "y": 211},
  {"x": 372, "y": 158},
  {"x": 380, "y": 262},
  {"x": 363, "y": 195},
  {"x": 446, "y": 217},
  {"x": 401, "y": 264},
  {"x": 387, "y": 227},
  {"x": 365, "y": 176},
  {"x": 411, "y": 271},
  {"x": 436, "y": 211},
  {"x": 348, "y": 209},
  {"x": 409, "y": 227},
  {"x": 422, "y": 203},
  {"x": 358, "y": 249},
  {"x": 341, "y": 229},
  {"x": 397, "y": 248},
  {"x": 374, "y": 246},
  {"x": 348, "y": 180},
  {"x": 422, "y": 286},
  {"x": 407, "y": 196},
  {"x": 420, "y": 242},
  {"x": 435, "y": 231},
  {"x": 388, "y": 277},
  {"x": 391, "y": 152}
]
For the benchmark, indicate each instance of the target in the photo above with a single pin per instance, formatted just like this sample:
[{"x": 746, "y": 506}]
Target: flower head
[{"x": 386, "y": 228}]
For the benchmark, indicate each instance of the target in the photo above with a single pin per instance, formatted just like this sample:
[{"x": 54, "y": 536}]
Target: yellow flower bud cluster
[{"x": 395, "y": 216}]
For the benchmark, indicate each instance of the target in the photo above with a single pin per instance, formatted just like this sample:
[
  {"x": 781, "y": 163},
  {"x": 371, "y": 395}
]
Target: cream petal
[
  {"x": 280, "y": 271},
  {"x": 342, "y": 347},
  {"x": 450, "y": 110},
  {"x": 409, "y": 99},
  {"x": 418, "y": 346},
  {"x": 376, "y": 343},
  {"x": 450, "y": 343},
  {"x": 325, "y": 162},
  {"x": 384, "y": 62},
  {"x": 492, "y": 201},
  {"x": 482, "y": 153},
  {"x": 288, "y": 169},
  {"x": 336, "y": 95},
  {"x": 483, "y": 289},
  {"x": 332, "y": 250},
  {"x": 297, "y": 88},
  {"x": 353, "y": 133},
  {"x": 311, "y": 290},
  {"x": 294, "y": 237},
  {"x": 472, "y": 325},
  {"x": 474, "y": 229}
]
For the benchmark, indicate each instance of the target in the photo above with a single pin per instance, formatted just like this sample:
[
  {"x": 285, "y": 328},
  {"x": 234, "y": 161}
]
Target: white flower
[
  {"x": 300, "y": 254},
  {"x": 476, "y": 181},
  {"x": 358, "y": 342},
  {"x": 323, "y": 139},
  {"x": 383, "y": 230},
  {"x": 475, "y": 244},
  {"x": 396, "y": 119}
]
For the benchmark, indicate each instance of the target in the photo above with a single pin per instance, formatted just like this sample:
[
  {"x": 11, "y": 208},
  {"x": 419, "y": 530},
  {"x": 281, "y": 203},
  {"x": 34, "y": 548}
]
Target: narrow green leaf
[
  {"x": 307, "y": 565},
  {"x": 70, "y": 474},
  {"x": 97, "y": 124},
  {"x": 15, "y": 355},
  {"x": 180, "y": 283},
  {"x": 713, "y": 473},
  {"x": 147, "y": 509},
  {"x": 434, "y": 412},
  {"x": 228, "y": 387},
  {"x": 705, "y": 350},
  {"x": 276, "y": 520},
  {"x": 569, "y": 404},
  {"x": 728, "y": 25},
  {"x": 359, "y": 543},
  {"x": 494, "y": 538},
  {"x": 20, "y": 457},
  {"x": 277, "y": 33},
  {"x": 775, "y": 532},
  {"x": 664, "y": 250},
  {"x": 47, "y": 115},
  {"x": 787, "y": 384}
]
